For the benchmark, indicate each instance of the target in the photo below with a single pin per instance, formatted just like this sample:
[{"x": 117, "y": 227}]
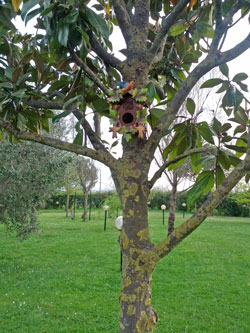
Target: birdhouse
[{"x": 128, "y": 111}]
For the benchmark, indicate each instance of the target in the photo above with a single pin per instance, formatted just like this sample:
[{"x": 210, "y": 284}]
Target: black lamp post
[
  {"x": 119, "y": 224},
  {"x": 184, "y": 205},
  {"x": 106, "y": 208},
  {"x": 163, "y": 208}
]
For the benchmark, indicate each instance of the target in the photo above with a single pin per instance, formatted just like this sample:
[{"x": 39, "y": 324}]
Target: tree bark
[
  {"x": 172, "y": 204},
  {"x": 137, "y": 314},
  {"x": 85, "y": 206},
  {"x": 67, "y": 205},
  {"x": 138, "y": 261}
]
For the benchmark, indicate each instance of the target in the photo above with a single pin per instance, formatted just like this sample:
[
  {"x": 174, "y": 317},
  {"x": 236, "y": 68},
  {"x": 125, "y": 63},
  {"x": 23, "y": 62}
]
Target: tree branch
[
  {"x": 212, "y": 60},
  {"x": 100, "y": 155},
  {"x": 129, "y": 7},
  {"x": 141, "y": 17},
  {"x": 88, "y": 71},
  {"x": 166, "y": 164},
  {"x": 181, "y": 232},
  {"x": 41, "y": 104},
  {"x": 123, "y": 19},
  {"x": 105, "y": 56},
  {"x": 167, "y": 22},
  {"x": 221, "y": 26}
]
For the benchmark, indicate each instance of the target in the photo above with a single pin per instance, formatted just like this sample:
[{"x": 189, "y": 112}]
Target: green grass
[{"x": 66, "y": 278}]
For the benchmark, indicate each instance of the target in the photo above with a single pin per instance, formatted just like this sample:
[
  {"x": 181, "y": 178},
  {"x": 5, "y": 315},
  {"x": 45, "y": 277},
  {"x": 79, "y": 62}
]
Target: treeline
[{"x": 232, "y": 205}]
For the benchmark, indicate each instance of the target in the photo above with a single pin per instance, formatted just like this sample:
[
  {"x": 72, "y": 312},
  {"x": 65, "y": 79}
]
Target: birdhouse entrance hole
[{"x": 128, "y": 119}]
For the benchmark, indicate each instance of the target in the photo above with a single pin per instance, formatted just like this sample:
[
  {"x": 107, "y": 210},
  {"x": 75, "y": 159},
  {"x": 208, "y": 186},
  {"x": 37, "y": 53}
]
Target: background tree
[
  {"x": 70, "y": 182},
  {"x": 28, "y": 177},
  {"x": 114, "y": 203},
  {"x": 87, "y": 173},
  {"x": 71, "y": 54}
]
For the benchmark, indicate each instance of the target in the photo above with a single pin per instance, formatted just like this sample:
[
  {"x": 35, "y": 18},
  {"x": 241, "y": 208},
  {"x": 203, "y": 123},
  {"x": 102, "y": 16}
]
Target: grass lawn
[{"x": 66, "y": 278}]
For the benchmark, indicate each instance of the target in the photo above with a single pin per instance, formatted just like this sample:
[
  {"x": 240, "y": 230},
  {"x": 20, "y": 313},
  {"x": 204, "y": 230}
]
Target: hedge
[{"x": 230, "y": 205}]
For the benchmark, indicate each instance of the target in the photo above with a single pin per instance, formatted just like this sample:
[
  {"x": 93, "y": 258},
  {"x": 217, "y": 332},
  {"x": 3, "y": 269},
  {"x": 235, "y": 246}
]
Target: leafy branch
[{"x": 101, "y": 156}]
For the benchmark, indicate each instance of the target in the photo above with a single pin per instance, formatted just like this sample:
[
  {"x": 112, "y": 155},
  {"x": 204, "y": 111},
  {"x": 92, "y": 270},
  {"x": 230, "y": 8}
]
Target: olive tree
[
  {"x": 87, "y": 173},
  {"x": 69, "y": 65},
  {"x": 28, "y": 177}
]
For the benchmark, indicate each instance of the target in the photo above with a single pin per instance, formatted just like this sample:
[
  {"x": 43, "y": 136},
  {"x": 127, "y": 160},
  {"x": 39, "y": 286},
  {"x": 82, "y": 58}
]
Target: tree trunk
[
  {"x": 172, "y": 204},
  {"x": 85, "y": 206},
  {"x": 136, "y": 313},
  {"x": 67, "y": 205}
]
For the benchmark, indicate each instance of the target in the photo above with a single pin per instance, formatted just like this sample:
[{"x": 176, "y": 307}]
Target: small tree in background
[
  {"x": 28, "y": 176},
  {"x": 114, "y": 203},
  {"x": 70, "y": 182},
  {"x": 87, "y": 173}
]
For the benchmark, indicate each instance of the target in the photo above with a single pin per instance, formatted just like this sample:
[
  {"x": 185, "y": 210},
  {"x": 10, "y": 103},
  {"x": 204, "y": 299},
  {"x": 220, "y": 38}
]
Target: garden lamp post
[
  {"x": 184, "y": 205},
  {"x": 163, "y": 208},
  {"x": 119, "y": 224},
  {"x": 106, "y": 208},
  {"x": 244, "y": 209}
]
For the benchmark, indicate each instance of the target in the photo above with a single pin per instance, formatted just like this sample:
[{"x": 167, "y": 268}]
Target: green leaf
[
  {"x": 220, "y": 176},
  {"x": 19, "y": 94},
  {"x": 196, "y": 167},
  {"x": 217, "y": 126},
  {"x": 177, "y": 164},
  {"x": 225, "y": 85},
  {"x": 63, "y": 34},
  {"x": 97, "y": 22},
  {"x": 204, "y": 184},
  {"x": 229, "y": 97},
  {"x": 180, "y": 46},
  {"x": 32, "y": 14},
  {"x": 114, "y": 144},
  {"x": 240, "y": 77},
  {"x": 70, "y": 101},
  {"x": 155, "y": 115},
  {"x": 211, "y": 83},
  {"x": 27, "y": 5},
  {"x": 151, "y": 92},
  {"x": 239, "y": 129},
  {"x": 234, "y": 160},
  {"x": 224, "y": 160},
  {"x": 71, "y": 17},
  {"x": 190, "y": 105},
  {"x": 84, "y": 49},
  {"x": 205, "y": 132},
  {"x": 224, "y": 69},
  {"x": 7, "y": 85},
  {"x": 61, "y": 115},
  {"x": 8, "y": 72},
  {"x": 177, "y": 29},
  {"x": 79, "y": 138},
  {"x": 241, "y": 150},
  {"x": 100, "y": 104},
  {"x": 243, "y": 86},
  {"x": 225, "y": 127},
  {"x": 38, "y": 61}
]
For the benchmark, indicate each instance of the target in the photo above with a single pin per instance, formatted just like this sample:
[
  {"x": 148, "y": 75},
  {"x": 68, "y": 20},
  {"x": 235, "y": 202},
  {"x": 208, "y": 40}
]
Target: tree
[
  {"x": 70, "y": 182},
  {"x": 28, "y": 177},
  {"x": 68, "y": 65},
  {"x": 87, "y": 173}
]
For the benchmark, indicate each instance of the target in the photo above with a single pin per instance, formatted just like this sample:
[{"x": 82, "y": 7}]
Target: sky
[{"x": 241, "y": 64}]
